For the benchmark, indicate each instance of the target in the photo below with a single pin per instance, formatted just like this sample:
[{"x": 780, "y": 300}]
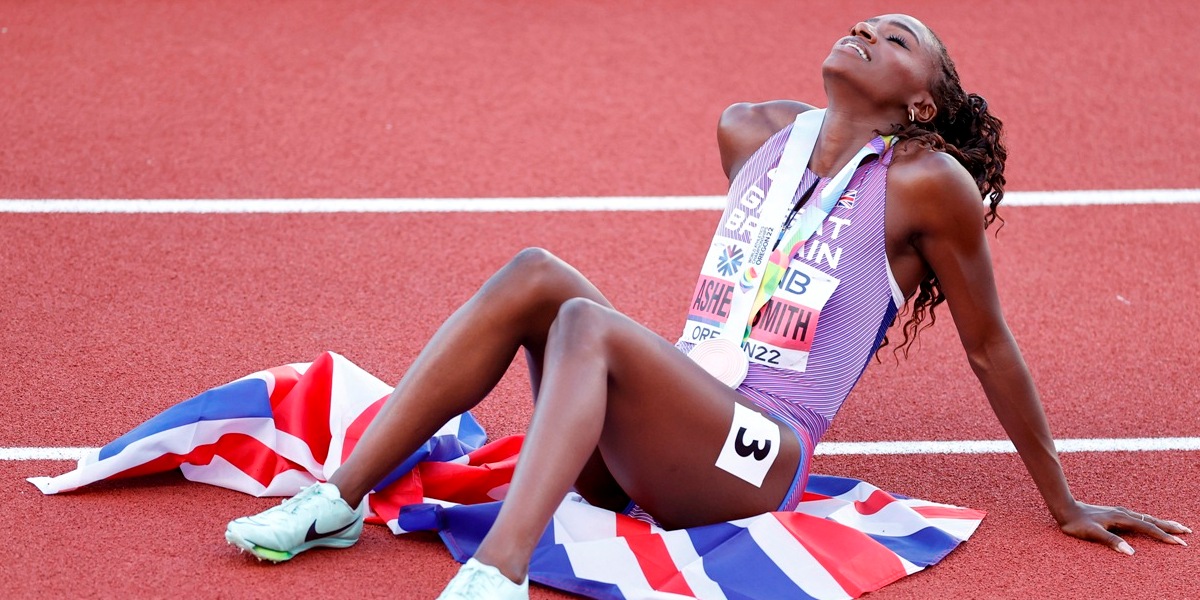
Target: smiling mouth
[{"x": 862, "y": 53}]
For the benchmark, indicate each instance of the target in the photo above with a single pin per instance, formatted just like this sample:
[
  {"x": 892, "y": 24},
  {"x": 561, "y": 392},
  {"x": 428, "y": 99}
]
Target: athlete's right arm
[{"x": 744, "y": 127}]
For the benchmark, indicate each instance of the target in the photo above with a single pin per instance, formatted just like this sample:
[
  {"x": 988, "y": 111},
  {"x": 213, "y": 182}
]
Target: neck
[{"x": 843, "y": 133}]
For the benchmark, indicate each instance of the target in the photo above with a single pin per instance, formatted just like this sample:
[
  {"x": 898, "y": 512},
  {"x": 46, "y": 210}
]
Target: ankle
[
  {"x": 515, "y": 571},
  {"x": 348, "y": 492}
]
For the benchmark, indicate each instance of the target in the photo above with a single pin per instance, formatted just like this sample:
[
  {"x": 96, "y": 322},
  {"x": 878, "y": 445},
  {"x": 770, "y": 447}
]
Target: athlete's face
[{"x": 891, "y": 58}]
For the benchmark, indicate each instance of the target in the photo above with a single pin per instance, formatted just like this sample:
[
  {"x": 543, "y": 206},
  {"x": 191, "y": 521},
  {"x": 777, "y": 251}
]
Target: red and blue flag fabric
[{"x": 273, "y": 432}]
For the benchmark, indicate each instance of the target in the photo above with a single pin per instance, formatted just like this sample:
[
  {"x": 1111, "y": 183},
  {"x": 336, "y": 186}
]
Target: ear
[{"x": 923, "y": 108}]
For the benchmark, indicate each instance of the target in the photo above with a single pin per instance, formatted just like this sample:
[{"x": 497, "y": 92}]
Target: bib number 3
[{"x": 751, "y": 446}]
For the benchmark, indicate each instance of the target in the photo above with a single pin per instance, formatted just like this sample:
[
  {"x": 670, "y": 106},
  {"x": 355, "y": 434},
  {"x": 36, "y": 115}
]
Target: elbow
[
  {"x": 980, "y": 359},
  {"x": 995, "y": 355}
]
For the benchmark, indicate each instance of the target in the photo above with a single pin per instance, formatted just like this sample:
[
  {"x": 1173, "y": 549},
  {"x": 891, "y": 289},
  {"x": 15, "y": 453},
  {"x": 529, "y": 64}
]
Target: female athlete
[{"x": 623, "y": 415}]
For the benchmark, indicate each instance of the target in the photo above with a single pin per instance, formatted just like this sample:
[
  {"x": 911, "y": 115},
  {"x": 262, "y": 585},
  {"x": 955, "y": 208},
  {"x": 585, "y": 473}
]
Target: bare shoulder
[
  {"x": 764, "y": 116},
  {"x": 746, "y": 126},
  {"x": 933, "y": 190}
]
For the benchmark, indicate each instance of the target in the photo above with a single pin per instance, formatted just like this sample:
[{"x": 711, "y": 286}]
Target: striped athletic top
[{"x": 850, "y": 245}]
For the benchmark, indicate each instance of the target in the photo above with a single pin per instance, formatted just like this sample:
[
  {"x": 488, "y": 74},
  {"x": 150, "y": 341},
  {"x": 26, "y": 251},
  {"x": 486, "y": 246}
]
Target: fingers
[
  {"x": 1169, "y": 526},
  {"x": 1114, "y": 541},
  {"x": 1177, "y": 527},
  {"x": 1105, "y": 518},
  {"x": 1148, "y": 525},
  {"x": 1095, "y": 523},
  {"x": 1095, "y": 530},
  {"x": 1165, "y": 525}
]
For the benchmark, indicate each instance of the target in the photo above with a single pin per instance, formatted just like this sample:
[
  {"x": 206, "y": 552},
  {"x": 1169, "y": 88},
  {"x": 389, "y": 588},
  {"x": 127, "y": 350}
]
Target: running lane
[
  {"x": 428, "y": 98},
  {"x": 108, "y": 319},
  {"x": 119, "y": 316}
]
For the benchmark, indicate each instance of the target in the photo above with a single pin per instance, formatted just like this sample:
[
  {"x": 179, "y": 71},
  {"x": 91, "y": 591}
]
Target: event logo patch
[
  {"x": 730, "y": 261},
  {"x": 749, "y": 278}
]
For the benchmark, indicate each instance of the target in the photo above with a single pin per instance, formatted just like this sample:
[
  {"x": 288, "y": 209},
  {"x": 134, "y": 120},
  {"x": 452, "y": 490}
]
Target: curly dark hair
[{"x": 966, "y": 130}]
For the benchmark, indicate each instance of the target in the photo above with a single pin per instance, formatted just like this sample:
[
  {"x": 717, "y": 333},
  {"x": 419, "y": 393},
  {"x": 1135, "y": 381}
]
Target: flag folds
[{"x": 273, "y": 432}]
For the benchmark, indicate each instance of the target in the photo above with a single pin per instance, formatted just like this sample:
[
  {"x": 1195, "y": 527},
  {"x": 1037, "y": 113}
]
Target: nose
[{"x": 866, "y": 31}]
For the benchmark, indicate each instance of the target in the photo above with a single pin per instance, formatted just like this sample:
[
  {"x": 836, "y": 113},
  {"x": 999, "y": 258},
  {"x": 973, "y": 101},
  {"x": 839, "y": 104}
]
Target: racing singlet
[{"x": 810, "y": 341}]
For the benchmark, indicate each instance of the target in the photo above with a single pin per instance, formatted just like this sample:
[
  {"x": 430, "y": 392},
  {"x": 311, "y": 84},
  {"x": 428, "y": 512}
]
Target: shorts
[{"x": 795, "y": 492}]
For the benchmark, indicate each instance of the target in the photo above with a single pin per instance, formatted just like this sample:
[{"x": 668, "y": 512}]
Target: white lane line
[
  {"x": 546, "y": 204},
  {"x": 1005, "y": 446},
  {"x": 43, "y": 453},
  {"x": 1095, "y": 197},
  {"x": 825, "y": 448},
  {"x": 368, "y": 205}
]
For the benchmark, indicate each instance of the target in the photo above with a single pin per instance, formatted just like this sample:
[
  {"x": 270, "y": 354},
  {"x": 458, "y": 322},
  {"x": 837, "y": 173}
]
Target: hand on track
[{"x": 1096, "y": 523}]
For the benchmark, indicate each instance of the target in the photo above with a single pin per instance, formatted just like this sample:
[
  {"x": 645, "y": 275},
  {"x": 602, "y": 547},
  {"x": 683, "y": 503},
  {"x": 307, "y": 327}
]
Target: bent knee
[
  {"x": 582, "y": 312},
  {"x": 533, "y": 258},
  {"x": 537, "y": 268},
  {"x": 583, "y": 322}
]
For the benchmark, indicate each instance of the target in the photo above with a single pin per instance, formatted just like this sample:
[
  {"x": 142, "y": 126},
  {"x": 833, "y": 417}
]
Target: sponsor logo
[
  {"x": 313, "y": 534},
  {"x": 730, "y": 261}
]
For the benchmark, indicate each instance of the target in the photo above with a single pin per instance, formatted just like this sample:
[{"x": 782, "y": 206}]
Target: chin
[
  {"x": 831, "y": 67},
  {"x": 838, "y": 68},
  {"x": 843, "y": 63},
  {"x": 844, "y": 80}
]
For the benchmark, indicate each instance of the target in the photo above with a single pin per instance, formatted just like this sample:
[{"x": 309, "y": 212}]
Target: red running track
[
  {"x": 527, "y": 98},
  {"x": 110, "y": 318}
]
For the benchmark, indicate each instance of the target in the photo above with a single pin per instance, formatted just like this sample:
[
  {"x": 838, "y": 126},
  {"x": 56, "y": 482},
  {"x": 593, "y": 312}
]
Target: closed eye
[{"x": 899, "y": 40}]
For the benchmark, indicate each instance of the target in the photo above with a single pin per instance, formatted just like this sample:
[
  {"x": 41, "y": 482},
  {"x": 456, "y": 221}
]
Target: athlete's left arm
[{"x": 941, "y": 200}]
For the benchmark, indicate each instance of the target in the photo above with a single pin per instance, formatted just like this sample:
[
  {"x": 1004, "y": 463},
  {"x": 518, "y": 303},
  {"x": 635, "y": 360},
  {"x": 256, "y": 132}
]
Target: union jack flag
[{"x": 276, "y": 431}]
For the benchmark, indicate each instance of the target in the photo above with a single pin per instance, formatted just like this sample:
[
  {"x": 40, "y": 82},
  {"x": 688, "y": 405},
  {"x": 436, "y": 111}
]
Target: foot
[
  {"x": 317, "y": 516},
  {"x": 477, "y": 581}
]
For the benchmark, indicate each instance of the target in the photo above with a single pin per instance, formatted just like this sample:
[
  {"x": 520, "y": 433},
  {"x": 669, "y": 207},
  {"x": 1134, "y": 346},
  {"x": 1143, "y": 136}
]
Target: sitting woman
[{"x": 835, "y": 217}]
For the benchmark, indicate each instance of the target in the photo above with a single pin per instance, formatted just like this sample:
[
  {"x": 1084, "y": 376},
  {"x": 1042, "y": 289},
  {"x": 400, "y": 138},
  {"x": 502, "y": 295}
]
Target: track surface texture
[{"x": 108, "y": 319}]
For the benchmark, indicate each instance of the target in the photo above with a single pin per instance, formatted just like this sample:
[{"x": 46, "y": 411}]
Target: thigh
[
  {"x": 667, "y": 426},
  {"x": 556, "y": 281}
]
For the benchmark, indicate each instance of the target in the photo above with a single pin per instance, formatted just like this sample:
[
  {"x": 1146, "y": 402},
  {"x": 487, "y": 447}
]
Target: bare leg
[
  {"x": 658, "y": 419},
  {"x": 595, "y": 483},
  {"x": 459, "y": 367}
]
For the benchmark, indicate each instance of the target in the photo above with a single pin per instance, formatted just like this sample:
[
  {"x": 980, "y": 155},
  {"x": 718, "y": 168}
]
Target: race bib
[
  {"x": 713, "y": 297},
  {"x": 751, "y": 446},
  {"x": 783, "y": 331}
]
